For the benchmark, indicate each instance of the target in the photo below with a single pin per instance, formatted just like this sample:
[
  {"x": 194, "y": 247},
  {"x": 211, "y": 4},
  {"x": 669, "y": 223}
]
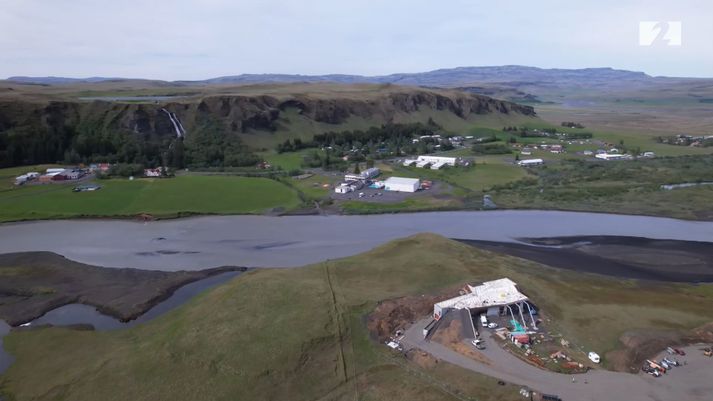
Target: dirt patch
[
  {"x": 629, "y": 257},
  {"x": 422, "y": 358},
  {"x": 639, "y": 346},
  {"x": 399, "y": 313},
  {"x": 450, "y": 334}
]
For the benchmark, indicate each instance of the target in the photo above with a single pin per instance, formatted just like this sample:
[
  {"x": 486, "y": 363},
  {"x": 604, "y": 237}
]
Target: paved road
[{"x": 692, "y": 382}]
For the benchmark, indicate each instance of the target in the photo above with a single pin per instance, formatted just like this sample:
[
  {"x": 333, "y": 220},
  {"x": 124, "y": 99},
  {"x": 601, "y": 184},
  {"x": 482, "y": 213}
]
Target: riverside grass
[{"x": 299, "y": 334}]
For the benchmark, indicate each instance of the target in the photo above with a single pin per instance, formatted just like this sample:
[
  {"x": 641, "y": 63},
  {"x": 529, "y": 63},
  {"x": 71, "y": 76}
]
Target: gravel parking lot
[{"x": 382, "y": 196}]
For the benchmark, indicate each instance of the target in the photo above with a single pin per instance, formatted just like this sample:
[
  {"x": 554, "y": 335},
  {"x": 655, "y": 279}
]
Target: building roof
[
  {"x": 531, "y": 161},
  {"x": 440, "y": 158},
  {"x": 491, "y": 293},
  {"x": 401, "y": 181}
]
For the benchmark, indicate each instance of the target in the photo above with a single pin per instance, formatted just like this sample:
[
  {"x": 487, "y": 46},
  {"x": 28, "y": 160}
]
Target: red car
[{"x": 679, "y": 351}]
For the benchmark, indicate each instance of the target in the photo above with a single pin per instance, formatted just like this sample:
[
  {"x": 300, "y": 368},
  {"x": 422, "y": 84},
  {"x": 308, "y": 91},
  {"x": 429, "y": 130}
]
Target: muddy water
[{"x": 197, "y": 243}]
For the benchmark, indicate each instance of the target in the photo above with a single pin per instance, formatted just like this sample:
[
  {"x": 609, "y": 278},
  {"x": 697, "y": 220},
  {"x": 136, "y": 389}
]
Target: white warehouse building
[
  {"x": 436, "y": 162},
  {"x": 450, "y": 161},
  {"x": 401, "y": 184},
  {"x": 493, "y": 298},
  {"x": 531, "y": 162}
]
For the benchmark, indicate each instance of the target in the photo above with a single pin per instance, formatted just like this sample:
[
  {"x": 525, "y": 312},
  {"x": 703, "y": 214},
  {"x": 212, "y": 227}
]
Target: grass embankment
[
  {"x": 159, "y": 197},
  {"x": 299, "y": 334}
]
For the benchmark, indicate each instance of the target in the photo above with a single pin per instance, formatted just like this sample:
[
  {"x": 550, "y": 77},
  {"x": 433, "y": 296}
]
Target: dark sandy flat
[
  {"x": 628, "y": 257},
  {"x": 32, "y": 283}
]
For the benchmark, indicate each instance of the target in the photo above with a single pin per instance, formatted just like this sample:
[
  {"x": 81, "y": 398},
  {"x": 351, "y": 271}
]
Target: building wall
[
  {"x": 451, "y": 161},
  {"x": 401, "y": 187}
]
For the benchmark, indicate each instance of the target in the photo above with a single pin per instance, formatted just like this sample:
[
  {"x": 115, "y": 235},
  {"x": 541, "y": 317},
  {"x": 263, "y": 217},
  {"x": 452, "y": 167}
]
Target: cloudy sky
[{"x": 197, "y": 39}]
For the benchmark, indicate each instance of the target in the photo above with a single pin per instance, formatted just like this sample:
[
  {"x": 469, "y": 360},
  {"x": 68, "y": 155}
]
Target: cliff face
[{"x": 238, "y": 113}]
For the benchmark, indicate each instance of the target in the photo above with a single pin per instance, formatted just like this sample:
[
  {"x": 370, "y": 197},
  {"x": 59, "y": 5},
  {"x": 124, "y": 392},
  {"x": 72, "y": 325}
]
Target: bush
[
  {"x": 126, "y": 170},
  {"x": 491, "y": 149}
]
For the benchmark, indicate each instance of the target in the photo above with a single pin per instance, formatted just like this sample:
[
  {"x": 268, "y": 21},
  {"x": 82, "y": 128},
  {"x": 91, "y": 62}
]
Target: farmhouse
[
  {"x": 153, "y": 172},
  {"x": 400, "y": 184},
  {"x": 492, "y": 298},
  {"x": 67, "y": 174}
]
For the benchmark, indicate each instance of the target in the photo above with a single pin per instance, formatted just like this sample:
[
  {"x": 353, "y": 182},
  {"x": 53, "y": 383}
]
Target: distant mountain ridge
[{"x": 449, "y": 77}]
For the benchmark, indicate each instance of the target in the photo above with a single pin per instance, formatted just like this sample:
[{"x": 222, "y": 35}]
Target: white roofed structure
[
  {"x": 401, "y": 184},
  {"x": 491, "y": 297}
]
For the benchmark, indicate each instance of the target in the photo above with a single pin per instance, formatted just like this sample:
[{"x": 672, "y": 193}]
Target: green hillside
[{"x": 300, "y": 334}]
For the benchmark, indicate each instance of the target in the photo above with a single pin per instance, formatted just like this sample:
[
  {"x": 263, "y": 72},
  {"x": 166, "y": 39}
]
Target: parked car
[
  {"x": 479, "y": 344},
  {"x": 594, "y": 357},
  {"x": 492, "y": 325}
]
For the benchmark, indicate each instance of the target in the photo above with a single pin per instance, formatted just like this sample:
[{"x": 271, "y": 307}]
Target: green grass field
[
  {"x": 160, "y": 197},
  {"x": 299, "y": 334},
  {"x": 631, "y": 187}
]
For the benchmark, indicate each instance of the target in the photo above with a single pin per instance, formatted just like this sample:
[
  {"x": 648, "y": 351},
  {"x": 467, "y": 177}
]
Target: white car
[
  {"x": 594, "y": 357},
  {"x": 492, "y": 325}
]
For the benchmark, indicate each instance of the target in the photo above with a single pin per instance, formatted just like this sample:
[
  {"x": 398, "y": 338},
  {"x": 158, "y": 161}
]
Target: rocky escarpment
[
  {"x": 34, "y": 132},
  {"x": 245, "y": 113}
]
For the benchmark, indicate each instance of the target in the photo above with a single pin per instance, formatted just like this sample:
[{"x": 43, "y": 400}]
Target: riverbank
[
  {"x": 619, "y": 256},
  {"x": 33, "y": 283}
]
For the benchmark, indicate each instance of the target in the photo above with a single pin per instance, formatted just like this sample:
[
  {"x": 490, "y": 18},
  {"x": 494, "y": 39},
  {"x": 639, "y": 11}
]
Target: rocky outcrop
[{"x": 239, "y": 113}]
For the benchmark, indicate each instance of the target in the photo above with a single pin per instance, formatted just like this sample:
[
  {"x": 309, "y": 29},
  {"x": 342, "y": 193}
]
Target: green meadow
[{"x": 160, "y": 197}]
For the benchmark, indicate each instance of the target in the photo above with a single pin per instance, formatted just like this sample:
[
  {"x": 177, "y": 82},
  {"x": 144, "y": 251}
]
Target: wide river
[{"x": 262, "y": 241}]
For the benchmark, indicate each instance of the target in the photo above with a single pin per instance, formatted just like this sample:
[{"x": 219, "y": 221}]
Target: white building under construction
[{"x": 493, "y": 298}]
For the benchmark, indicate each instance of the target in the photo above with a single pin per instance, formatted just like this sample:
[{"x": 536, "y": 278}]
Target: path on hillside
[{"x": 691, "y": 382}]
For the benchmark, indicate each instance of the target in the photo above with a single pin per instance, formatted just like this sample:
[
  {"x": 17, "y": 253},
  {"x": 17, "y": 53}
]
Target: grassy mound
[{"x": 300, "y": 334}]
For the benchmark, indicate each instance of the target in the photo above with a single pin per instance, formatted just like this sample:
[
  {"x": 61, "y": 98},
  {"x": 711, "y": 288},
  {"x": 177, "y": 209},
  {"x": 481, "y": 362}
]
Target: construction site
[{"x": 495, "y": 329}]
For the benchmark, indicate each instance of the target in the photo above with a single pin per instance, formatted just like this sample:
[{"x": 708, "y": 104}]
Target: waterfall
[{"x": 180, "y": 132}]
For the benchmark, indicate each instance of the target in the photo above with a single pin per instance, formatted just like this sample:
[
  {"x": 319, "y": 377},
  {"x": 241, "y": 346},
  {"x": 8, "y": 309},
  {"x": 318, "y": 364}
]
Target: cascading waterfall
[{"x": 180, "y": 132}]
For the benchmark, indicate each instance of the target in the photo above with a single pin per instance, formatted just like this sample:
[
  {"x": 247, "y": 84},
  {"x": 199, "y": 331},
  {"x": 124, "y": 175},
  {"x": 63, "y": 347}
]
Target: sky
[{"x": 199, "y": 39}]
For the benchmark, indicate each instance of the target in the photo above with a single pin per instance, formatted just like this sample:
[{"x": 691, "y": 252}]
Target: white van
[{"x": 483, "y": 320}]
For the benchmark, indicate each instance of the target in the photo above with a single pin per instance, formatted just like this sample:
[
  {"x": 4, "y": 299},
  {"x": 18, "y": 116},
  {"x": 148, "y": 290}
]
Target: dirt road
[{"x": 691, "y": 382}]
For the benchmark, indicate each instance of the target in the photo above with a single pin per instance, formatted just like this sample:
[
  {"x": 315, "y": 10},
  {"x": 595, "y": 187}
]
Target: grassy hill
[{"x": 300, "y": 334}]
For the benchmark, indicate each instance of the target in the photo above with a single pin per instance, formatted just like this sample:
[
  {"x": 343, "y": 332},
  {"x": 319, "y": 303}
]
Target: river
[{"x": 265, "y": 241}]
